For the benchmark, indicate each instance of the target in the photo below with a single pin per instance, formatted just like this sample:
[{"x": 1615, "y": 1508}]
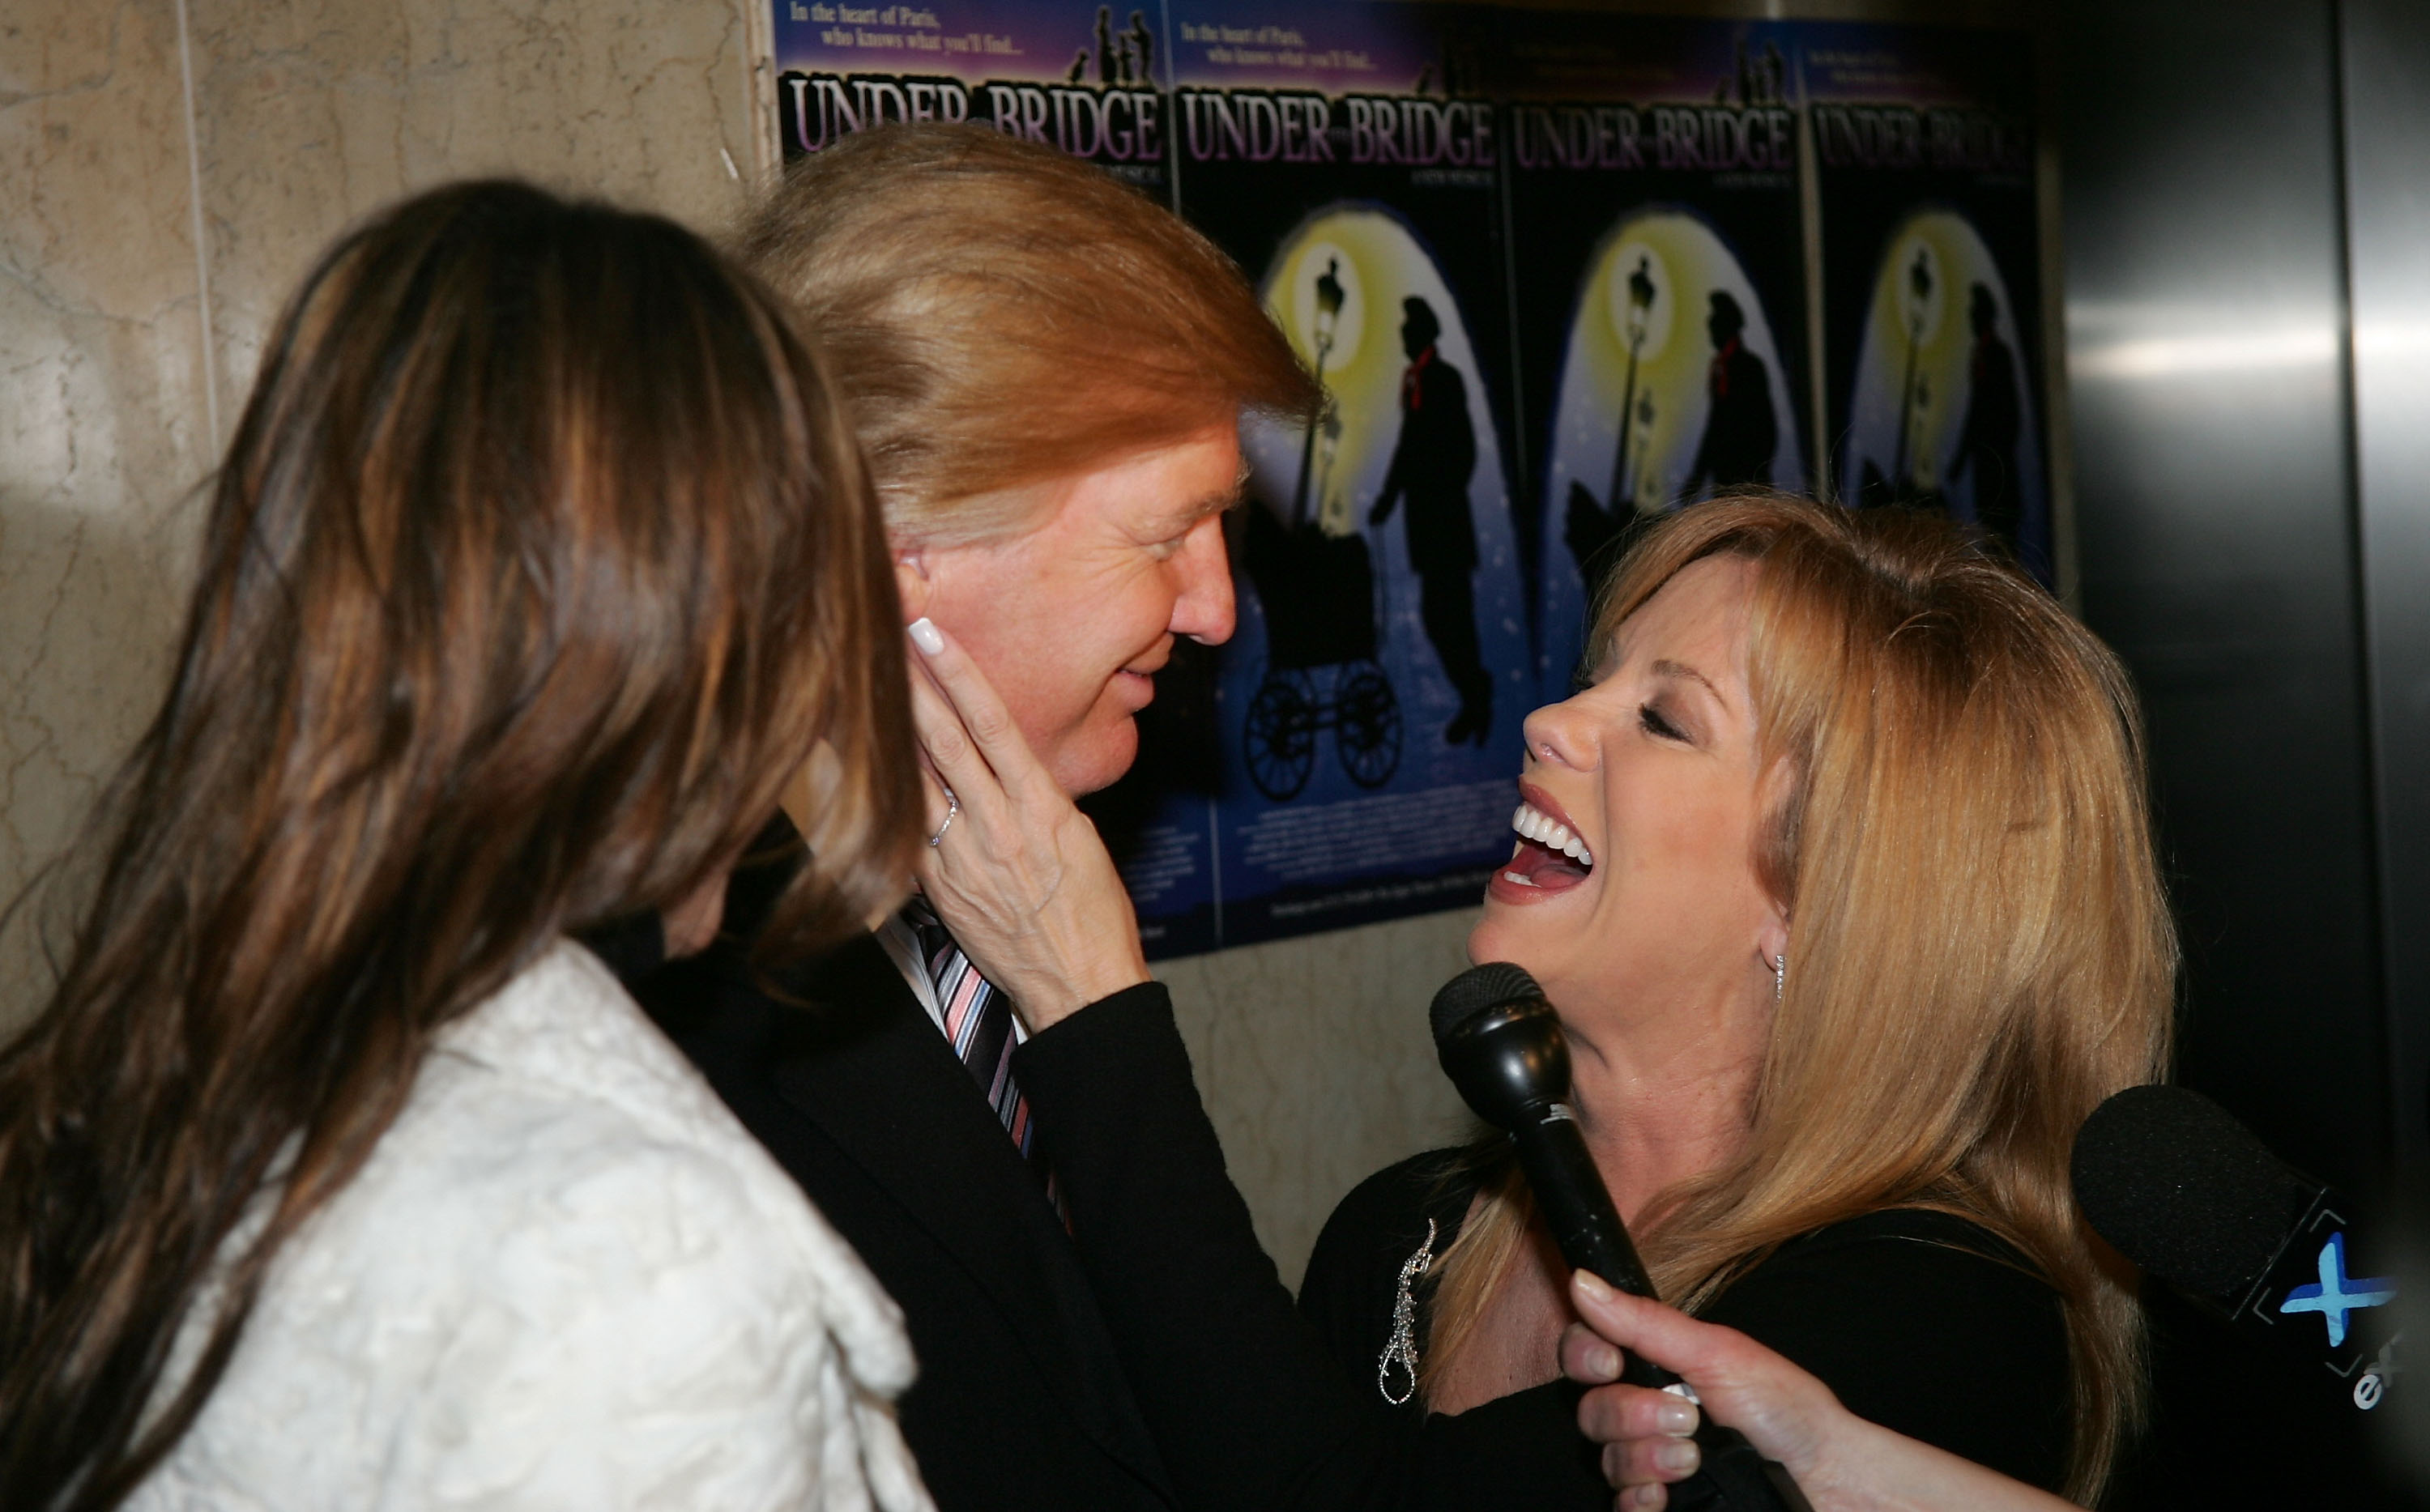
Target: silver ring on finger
[{"x": 952, "y": 806}]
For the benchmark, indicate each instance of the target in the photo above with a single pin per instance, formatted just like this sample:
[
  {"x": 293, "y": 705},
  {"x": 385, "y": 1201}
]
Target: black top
[{"x": 1920, "y": 1322}]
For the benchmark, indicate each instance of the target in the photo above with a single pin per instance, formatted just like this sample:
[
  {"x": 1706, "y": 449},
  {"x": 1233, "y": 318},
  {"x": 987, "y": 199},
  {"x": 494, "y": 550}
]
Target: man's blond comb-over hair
[{"x": 999, "y": 314}]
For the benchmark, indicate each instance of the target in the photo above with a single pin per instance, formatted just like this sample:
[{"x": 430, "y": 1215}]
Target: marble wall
[
  {"x": 105, "y": 410},
  {"x": 167, "y": 170},
  {"x": 1317, "y": 1064}
]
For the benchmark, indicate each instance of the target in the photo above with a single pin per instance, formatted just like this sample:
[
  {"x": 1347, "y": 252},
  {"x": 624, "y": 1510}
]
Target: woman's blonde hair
[
  {"x": 1979, "y": 952},
  {"x": 1000, "y": 314}
]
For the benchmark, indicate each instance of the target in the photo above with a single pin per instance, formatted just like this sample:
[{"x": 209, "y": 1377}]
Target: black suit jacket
[
  {"x": 1021, "y": 1401},
  {"x": 1251, "y": 1408}
]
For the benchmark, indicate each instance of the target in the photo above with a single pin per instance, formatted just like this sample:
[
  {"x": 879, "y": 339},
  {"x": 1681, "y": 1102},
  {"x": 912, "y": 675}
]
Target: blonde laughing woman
[{"x": 1837, "y": 869}]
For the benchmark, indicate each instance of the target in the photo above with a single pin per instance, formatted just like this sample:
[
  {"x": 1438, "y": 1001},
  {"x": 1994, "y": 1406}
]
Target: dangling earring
[{"x": 1779, "y": 979}]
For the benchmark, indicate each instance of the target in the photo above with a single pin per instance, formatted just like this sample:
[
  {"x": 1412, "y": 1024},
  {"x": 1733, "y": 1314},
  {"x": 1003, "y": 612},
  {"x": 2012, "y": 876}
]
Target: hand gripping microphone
[
  {"x": 2186, "y": 1192},
  {"x": 1501, "y": 1045}
]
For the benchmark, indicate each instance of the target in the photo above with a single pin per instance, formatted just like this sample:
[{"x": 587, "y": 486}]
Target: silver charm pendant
[{"x": 1402, "y": 1350}]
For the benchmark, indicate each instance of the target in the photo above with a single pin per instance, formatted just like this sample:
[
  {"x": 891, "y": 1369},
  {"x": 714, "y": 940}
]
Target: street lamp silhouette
[
  {"x": 1640, "y": 304},
  {"x": 1328, "y": 312},
  {"x": 1919, "y": 279},
  {"x": 1644, "y": 434},
  {"x": 1326, "y": 455}
]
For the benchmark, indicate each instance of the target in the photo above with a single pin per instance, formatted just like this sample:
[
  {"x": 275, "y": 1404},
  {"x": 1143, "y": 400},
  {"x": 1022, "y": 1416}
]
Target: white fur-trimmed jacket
[{"x": 565, "y": 1278}]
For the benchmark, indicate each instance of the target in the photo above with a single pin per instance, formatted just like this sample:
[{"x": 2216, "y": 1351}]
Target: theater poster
[
  {"x": 1931, "y": 274},
  {"x": 1084, "y": 78},
  {"x": 1350, "y": 755},
  {"x": 1552, "y": 267},
  {"x": 1659, "y": 283}
]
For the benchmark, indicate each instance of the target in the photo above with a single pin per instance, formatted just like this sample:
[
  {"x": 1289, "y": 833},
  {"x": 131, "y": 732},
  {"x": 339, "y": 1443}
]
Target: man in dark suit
[
  {"x": 1431, "y": 466},
  {"x": 1054, "y": 446}
]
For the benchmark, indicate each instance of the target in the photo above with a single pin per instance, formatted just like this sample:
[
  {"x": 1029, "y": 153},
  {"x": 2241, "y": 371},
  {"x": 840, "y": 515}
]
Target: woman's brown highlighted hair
[
  {"x": 1002, "y": 315},
  {"x": 1979, "y": 952},
  {"x": 542, "y": 561}
]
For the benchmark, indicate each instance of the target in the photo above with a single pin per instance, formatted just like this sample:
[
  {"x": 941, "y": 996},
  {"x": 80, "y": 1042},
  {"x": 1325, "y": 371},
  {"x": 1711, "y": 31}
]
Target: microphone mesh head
[
  {"x": 2181, "y": 1189},
  {"x": 1479, "y": 987}
]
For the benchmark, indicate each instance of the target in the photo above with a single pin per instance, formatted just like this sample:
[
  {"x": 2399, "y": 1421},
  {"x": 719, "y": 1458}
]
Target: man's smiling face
[{"x": 1071, "y": 618}]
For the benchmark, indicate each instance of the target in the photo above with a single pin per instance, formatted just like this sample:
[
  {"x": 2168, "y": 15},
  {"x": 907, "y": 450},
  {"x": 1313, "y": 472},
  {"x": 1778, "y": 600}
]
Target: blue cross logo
[{"x": 2336, "y": 1296}]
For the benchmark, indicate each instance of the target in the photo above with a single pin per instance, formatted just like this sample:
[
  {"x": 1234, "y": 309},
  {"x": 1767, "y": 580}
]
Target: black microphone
[
  {"x": 1501, "y": 1045},
  {"x": 2181, "y": 1189}
]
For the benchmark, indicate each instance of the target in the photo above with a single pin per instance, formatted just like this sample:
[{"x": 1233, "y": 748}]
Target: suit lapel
[{"x": 870, "y": 1068}]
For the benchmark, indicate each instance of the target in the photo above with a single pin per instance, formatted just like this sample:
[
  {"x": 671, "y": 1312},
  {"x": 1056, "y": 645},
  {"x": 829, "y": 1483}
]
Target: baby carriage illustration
[{"x": 1319, "y": 592}]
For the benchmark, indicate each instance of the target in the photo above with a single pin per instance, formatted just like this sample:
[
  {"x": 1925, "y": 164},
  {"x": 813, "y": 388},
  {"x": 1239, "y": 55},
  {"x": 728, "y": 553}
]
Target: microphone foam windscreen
[
  {"x": 1478, "y": 987},
  {"x": 2178, "y": 1185}
]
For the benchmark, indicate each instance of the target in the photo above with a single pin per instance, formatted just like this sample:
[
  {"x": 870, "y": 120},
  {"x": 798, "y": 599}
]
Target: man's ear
[{"x": 911, "y": 582}]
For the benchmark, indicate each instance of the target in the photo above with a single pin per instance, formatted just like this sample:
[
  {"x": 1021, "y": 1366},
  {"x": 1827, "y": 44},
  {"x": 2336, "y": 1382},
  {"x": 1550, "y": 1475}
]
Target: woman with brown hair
[
  {"x": 334, "y": 1172},
  {"x": 1838, "y": 870}
]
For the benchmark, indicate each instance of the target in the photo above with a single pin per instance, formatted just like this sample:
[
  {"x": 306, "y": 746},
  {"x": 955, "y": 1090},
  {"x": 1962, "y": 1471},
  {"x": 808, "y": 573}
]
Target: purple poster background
[{"x": 1086, "y": 78}]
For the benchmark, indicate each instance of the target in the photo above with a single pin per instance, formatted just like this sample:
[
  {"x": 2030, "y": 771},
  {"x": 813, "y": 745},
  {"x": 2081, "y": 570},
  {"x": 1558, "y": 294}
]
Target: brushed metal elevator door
[
  {"x": 2248, "y": 317},
  {"x": 2206, "y": 364},
  {"x": 2385, "y": 54}
]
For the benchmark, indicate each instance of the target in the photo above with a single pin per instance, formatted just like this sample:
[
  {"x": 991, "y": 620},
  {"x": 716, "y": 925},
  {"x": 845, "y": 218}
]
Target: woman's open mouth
[{"x": 1549, "y": 857}]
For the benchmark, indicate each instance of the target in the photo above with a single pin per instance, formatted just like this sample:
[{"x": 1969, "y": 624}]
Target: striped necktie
[{"x": 977, "y": 1019}]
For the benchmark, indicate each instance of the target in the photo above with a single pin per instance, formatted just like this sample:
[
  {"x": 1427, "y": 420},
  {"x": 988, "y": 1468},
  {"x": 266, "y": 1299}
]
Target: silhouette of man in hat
[
  {"x": 1986, "y": 443},
  {"x": 1740, "y": 430},
  {"x": 1431, "y": 466}
]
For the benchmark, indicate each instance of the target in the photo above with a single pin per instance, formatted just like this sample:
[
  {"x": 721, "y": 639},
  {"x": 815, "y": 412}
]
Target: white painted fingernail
[{"x": 925, "y": 636}]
